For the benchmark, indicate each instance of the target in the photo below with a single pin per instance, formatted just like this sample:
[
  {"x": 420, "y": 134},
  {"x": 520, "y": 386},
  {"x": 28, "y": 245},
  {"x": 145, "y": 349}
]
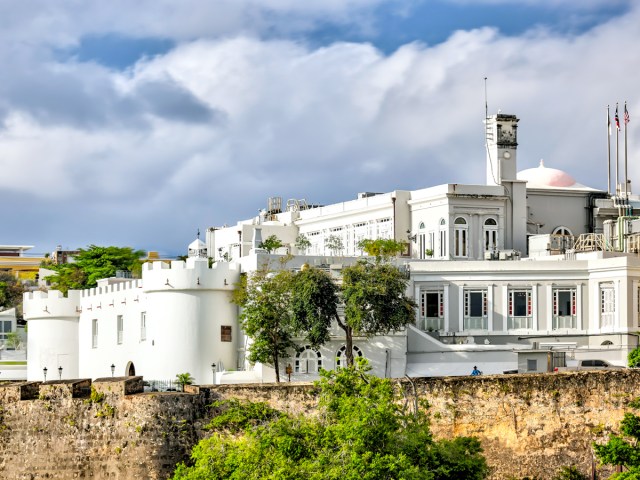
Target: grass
[{"x": 13, "y": 362}]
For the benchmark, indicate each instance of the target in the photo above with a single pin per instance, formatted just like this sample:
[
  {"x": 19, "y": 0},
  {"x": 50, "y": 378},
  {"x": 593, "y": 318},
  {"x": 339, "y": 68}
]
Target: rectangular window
[
  {"x": 564, "y": 308},
  {"x": 432, "y": 310},
  {"x": 120, "y": 329},
  {"x": 475, "y": 309},
  {"x": 385, "y": 228},
  {"x": 225, "y": 333},
  {"x": 520, "y": 309},
  {"x": 532, "y": 365},
  {"x": 94, "y": 333},
  {"x": 607, "y": 305},
  {"x": 460, "y": 242},
  {"x": 5, "y": 327},
  {"x": 143, "y": 326},
  {"x": 443, "y": 243}
]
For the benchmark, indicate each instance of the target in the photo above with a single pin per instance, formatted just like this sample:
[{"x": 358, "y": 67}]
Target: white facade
[
  {"x": 177, "y": 319},
  {"x": 494, "y": 269}
]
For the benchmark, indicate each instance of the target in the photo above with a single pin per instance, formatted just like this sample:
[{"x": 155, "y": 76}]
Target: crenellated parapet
[
  {"x": 194, "y": 274},
  {"x": 51, "y": 304}
]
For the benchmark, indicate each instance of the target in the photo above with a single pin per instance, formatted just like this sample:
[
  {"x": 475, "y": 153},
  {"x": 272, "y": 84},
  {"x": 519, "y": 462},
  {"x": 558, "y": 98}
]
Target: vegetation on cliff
[
  {"x": 362, "y": 431},
  {"x": 624, "y": 449}
]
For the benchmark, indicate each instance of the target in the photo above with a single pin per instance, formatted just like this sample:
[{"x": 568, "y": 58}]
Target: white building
[{"x": 528, "y": 260}]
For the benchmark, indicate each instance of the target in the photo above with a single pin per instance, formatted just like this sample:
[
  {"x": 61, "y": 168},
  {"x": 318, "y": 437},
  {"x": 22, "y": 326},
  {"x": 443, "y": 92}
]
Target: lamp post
[
  {"x": 60, "y": 372},
  {"x": 113, "y": 369},
  {"x": 213, "y": 372},
  {"x": 44, "y": 372}
]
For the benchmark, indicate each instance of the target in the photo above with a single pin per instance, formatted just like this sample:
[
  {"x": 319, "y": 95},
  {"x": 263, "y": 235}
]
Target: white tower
[
  {"x": 502, "y": 144},
  {"x": 502, "y": 169}
]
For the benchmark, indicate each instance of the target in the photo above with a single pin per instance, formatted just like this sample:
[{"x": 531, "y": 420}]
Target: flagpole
[
  {"x": 608, "y": 151},
  {"x": 617, "y": 150},
  {"x": 626, "y": 182}
]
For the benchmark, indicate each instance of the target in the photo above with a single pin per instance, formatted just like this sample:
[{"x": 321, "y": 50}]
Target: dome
[
  {"x": 197, "y": 244},
  {"x": 543, "y": 177}
]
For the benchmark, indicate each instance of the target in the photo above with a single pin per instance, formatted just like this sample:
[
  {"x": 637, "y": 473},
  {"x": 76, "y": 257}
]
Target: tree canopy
[
  {"x": 92, "y": 264},
  {"x": 624, "y": 449},
  {"x": 11, "y": 290},
  {"x": 361, "y": 432},
  {"x": 278, "y": 307},
  {"x": 382, "y": 248},
  {"x": 265, "y": 317},
  {"x": 374, "y": 301},
  {"x": 271, "y": 243},
  {"x": 634, "y": 358}
]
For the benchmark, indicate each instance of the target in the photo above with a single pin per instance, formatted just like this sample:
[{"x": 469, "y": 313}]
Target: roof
[{"x": 543, "y": 177}]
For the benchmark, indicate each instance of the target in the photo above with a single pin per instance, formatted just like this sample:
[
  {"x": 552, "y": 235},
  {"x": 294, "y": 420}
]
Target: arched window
[
  {"x": 562, "y": 230},
  {"x": 442, "y": 245},
  {"x": 460, "y": 237},
  {"x": 490, "y": 228},
  {"x": 422, "y": 242},
  {"x": 341, "y": 355},
  {"x": 308, "y": 360},
  {"x": 607, "y": 343}
]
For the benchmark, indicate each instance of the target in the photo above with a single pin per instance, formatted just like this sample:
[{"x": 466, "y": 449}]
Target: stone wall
[{"x": 529, "y": 425}]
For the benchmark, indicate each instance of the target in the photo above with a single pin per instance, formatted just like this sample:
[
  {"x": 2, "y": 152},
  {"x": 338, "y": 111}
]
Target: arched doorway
[{"x": 131, "y": 370}]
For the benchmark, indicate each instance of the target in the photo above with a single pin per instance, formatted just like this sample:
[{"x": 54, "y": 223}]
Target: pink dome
[{"x": 543, "y": 177}]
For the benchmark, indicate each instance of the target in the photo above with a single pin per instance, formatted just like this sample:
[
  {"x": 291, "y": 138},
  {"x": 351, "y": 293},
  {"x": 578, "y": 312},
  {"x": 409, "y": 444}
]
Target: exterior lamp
[
  {"x": 113, "y": 369},
  {"x": 60, "y": 372},
  {"x": 213, "y": 371},
  {"x": 44, "y": 372}
]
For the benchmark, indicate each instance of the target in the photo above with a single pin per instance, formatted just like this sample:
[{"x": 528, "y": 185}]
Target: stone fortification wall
[
  {"x": 65, "y": 430},
  {"x": 529, "y": 425}
]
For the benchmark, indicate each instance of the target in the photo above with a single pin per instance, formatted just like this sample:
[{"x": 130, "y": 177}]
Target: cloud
[{"x": 203, "y": 134}]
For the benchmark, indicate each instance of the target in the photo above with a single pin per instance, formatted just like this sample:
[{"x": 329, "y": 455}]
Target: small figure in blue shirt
[{"x": 475, "y": 372}]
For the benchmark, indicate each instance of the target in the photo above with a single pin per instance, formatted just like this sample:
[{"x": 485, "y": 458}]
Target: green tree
[
  {"x": 266, "y": 317},
  {"x": 634, "y": 357},
  {"x": 183, "y": 379},
  {"x": 271, "y": 244},
  {"x": 362, "y": 432},
  {"x": 94, "y": 263},
  {"x": 374, "y": 301},
  {"x": 334, "y": 244},
  {"x": 314, "y": 304},
  {"x": 570, "y": 473},
  {"x": 382, "y": 249},
  {"x": 11, "y": 290},
  {"x": 624, "y": 449},
  {"x": 302, "y": 243},
  {"x": 13, "y": 340}
]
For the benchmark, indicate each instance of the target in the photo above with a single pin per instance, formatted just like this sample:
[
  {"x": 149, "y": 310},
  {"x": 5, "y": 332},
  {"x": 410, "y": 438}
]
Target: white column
[
  {"x": 505, "y": 306},
  {"x": 490, "y": 308},
  {"x": 634, "y": 305},
  {"x": 418, "y": 300},
  {"x": 579, "y": 316},
  {"x": 461, "y": 309},
  {"x": 534, "y": 305},
  {"x": 445, "y": 299},
  {"x": 549, "y": 309}
]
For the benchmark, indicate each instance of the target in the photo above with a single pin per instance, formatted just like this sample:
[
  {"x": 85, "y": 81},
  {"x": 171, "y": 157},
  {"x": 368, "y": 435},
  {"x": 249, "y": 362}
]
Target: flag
[
  {"x": 609, "y": 121},
  {"x": 617, "y": 119},
  {"x": 626, "y": 114}
]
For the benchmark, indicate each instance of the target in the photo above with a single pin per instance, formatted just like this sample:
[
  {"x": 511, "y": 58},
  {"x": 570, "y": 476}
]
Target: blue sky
[{"x": 138, "y": 123}]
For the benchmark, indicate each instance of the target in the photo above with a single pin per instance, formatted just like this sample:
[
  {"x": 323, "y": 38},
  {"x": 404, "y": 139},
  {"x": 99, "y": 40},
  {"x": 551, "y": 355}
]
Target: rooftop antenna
[
  {"x": 488, "y": 132},
  {"x": 486, "y": 104}
]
